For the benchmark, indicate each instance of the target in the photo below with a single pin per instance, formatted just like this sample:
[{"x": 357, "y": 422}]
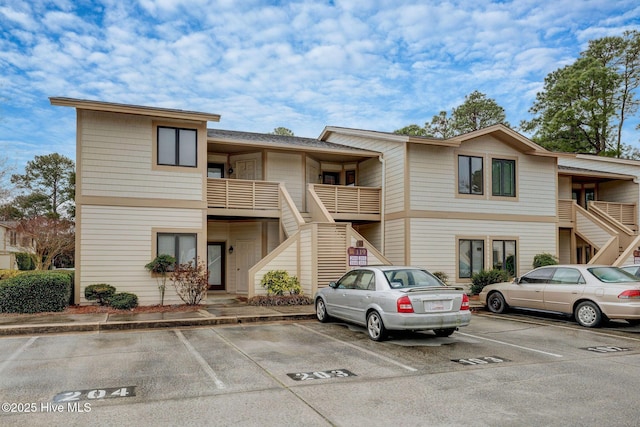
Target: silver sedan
[
  {"x": 387, "y": 298},
  {"x": 590, "y": 293}
]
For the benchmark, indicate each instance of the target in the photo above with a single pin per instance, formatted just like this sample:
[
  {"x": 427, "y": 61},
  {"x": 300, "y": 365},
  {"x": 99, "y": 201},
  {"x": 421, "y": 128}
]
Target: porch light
[
  {"x": 230, "y": 249},
  {"x": 230, "y": 171}
]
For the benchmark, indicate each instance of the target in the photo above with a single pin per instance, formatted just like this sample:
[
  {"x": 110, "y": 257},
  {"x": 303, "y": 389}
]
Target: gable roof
[
  {"x": 266, "y": 140},
  {"x": 498, "y": 131},
  {"x": 83, "y": 104}
]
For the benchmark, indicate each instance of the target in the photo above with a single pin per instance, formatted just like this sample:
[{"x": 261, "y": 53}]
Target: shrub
[
  {"x": 101, "y": 292},
  {"x": 25, "y": 261},
  {"x": 544, "y": 259},
  {"x": 278, "y": 282},
  {"x": 36, "y": 292},
  {"x": 487, "y": 277},
  {"x": 8, "y": 274},
  {"x": 123, "y": 301},
  {"x": 161, "y": 265},
  {"x": 442, "y": 276},
  {"x": 191, "y": 281}
]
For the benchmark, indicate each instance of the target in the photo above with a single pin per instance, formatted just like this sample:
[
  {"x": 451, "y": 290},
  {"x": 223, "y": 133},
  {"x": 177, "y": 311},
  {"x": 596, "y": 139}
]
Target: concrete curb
[{"x": 15, "y": 330}]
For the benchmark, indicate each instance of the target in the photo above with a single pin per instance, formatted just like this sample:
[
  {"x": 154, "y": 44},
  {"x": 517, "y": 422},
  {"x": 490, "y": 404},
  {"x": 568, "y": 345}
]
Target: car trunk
[{"x": 435, "y": 300}]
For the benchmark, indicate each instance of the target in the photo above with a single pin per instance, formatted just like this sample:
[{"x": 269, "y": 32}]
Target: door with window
[{"x": 215, "y": 265}]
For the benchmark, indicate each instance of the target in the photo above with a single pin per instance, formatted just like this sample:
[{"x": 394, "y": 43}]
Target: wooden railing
[
  {"x": 566, "y": 213},
  {"x": 353, "y": 200},
  {"x": 242, "y": 194},
  {"x": 622, "y": 212}
]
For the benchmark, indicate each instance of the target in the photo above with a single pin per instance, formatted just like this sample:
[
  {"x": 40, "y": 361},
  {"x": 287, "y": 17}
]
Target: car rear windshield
[
  {"x": 411, "y": 278},
  {"x": 612, "y": 275}
]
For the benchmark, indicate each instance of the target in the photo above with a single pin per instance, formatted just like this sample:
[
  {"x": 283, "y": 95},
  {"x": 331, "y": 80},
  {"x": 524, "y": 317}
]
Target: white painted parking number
[{"x": 484, "y": 360}]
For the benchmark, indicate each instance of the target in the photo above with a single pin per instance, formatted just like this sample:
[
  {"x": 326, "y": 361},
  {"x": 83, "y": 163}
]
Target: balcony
[
  {"x": 239, "y": 197},
  {"x": 350, "y": 203},
  {"x": 624, "y": 213}
]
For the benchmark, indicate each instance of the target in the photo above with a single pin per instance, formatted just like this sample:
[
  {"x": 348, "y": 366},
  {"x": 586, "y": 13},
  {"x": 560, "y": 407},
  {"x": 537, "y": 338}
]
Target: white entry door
[
  {"x": 246, "y": 169},
  {"x": 245, "y": 252}
]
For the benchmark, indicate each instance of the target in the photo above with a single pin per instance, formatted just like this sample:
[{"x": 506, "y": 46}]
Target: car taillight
[
  {"x": 630, "y": 294},
  {"x": 404, "y": 305},
  {"x": 465, "y": 302}
]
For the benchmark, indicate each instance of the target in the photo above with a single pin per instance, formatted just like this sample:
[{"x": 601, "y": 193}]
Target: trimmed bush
[
  {"x": 101, "y": 292},
  {"x": 123, "y": 301},
  {"x": 25, "y": 261},
  {"x": 278, "y": 282},
  {"x": 543, "y": 259},
  {"x": 487, "y": 277},
  {"x": 36, "y": 292}
]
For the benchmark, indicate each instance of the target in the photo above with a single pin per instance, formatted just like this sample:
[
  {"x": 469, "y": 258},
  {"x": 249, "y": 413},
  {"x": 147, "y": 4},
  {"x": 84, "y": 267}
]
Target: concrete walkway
[{"x": 217, "y": 311}]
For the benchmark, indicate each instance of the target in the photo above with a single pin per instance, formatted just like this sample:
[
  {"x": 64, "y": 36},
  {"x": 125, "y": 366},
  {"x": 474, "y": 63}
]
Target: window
[
  {"x": 215, "y": 170},
  {"x": 504, "y": 255},
  {"x": 181, "y": 246},
  {"x": 177, "y": 147},
  {"x": 331, "y": 178},
  {"x": 471, "y": 257},
  {"x": 503, "y": 177},
  {"x": 540, "y": 275},
  {"x": 567, "y": 276},
  {"x": 470, "y": 175},
  {"x": 350, "y": 177}
]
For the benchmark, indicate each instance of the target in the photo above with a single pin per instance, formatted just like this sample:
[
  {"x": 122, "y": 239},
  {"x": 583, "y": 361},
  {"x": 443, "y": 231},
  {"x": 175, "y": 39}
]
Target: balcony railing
[
  {"x": 350, "y": 200},
  {"x": 242, "y": 194},
  {"x": 624, "y": 213},
  {"x": 566, "y": 213}
]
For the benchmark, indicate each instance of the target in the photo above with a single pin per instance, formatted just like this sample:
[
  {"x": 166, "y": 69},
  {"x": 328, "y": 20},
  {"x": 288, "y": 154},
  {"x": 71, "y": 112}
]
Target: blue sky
[{"x": 304, "y": 65}]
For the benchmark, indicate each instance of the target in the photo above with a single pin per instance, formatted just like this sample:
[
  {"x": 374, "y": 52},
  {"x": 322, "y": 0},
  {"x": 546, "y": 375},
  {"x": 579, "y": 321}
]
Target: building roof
[
  {"x": 499, "y": 131},
  {"x": 592, "y": 173},
  {"x": 83, "y": 104},
  {"x": 284, "y": 142}
]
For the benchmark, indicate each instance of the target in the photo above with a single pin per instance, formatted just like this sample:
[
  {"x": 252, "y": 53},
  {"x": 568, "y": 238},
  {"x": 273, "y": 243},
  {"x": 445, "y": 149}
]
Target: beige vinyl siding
[
  {"x": 564, "y": 187},
  {"x": 564, "y": 251},
  {"x": 434, "y": 247},
  {"x": 116, "y": 156},
  {"x": 395, "y": 241},
  {"x": 116, "y": 243},
  {"x": 372, "y": 232},
  {"x": 288, "y": 168},
  {"x": 306, "y": 253},
  {"x": 287, "y": 260},
  {"x": 592, "y": 230},
  {"x": 369, "y": 173},
  {"x": 394, "y": 159},
  {"x": 433, "y": 180},
  {"x": 618, "y": 191}
]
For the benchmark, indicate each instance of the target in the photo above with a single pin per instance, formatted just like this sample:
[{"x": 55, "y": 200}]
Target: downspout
[{"x": 382, "y": 202}]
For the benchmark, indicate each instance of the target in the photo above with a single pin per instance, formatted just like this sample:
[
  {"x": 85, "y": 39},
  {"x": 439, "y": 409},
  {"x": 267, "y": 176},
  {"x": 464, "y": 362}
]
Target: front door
[
  {"x": 215, "y": 265},
  {"x": 245, "y": 253}
]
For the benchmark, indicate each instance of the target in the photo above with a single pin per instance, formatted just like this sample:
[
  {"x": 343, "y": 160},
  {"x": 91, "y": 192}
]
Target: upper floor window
[
  {"x": 177, "y": 147},
  {"x": 503, "y": 177},
  {"x": 215, "y": 170},
  {"x": 470, "y": 175}
]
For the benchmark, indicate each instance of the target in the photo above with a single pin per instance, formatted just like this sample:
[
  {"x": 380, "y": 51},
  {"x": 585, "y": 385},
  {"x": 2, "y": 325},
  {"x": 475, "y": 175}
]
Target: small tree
[
  {"x": 49, "y": 238},
  {"x": 191, "y": 281},
  {"x": 160, "y": 266}
]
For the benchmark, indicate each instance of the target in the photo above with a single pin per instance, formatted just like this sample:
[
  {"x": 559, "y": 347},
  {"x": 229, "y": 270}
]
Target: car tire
[
  {"x": 633, "y": 322},
  {"x": 588, "y": 314},
  {"x": 496, "y": 303},
  {"x": 444, "y": 332},
  {"x": 321, "y": 311},
  {"x": 375, "y": 327}
]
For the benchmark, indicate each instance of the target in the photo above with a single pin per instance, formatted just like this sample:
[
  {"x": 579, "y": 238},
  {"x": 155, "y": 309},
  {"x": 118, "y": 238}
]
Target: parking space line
[
  {"x": 364, "y": 350},
  {"x": 17, "y": 353},
  {"x": 509, "y": 344},
  {"x": 200, "y": 359}
]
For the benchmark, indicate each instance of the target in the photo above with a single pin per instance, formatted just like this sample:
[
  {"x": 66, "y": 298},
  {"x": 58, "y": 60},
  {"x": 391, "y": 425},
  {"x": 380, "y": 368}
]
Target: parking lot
[{"x": 500, "y": 370}]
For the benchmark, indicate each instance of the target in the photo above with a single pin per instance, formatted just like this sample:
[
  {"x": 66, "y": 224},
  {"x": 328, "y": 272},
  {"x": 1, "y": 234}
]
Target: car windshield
[
  {"x": 612, "y": 275},
  {"x": 411, "y": 278}
]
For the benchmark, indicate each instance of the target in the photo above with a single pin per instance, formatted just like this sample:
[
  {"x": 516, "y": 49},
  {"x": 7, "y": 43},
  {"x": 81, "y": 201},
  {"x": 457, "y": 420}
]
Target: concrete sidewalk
[{"x": 217, "y": 311}]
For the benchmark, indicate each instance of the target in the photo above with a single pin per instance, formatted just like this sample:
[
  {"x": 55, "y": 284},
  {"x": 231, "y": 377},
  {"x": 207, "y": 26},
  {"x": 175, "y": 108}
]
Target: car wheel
[
  {"x": 375, "y": 327},
  {"x": 588, "y": 314},
  {"x": 496, "y": 303},
  {"x": 321, "y": 311},
  {"x": 444, "y": 332}
]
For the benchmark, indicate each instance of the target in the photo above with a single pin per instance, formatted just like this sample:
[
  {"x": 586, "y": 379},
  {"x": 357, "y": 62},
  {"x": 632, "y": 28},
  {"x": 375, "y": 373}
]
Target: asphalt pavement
[{"x": 217, "y": 311}]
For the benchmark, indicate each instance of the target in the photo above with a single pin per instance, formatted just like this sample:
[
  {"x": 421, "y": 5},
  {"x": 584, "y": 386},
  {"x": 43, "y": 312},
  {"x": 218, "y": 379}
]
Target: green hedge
[
  {"x": 123, "y": 301},
  {"x": 36, "y": 292}
]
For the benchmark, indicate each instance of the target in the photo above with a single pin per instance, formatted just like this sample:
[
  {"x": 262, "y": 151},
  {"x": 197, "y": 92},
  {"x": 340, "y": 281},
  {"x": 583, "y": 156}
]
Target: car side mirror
[
  {"x": 333, "y": 285},
  {"x": 516, "y": 280}
]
